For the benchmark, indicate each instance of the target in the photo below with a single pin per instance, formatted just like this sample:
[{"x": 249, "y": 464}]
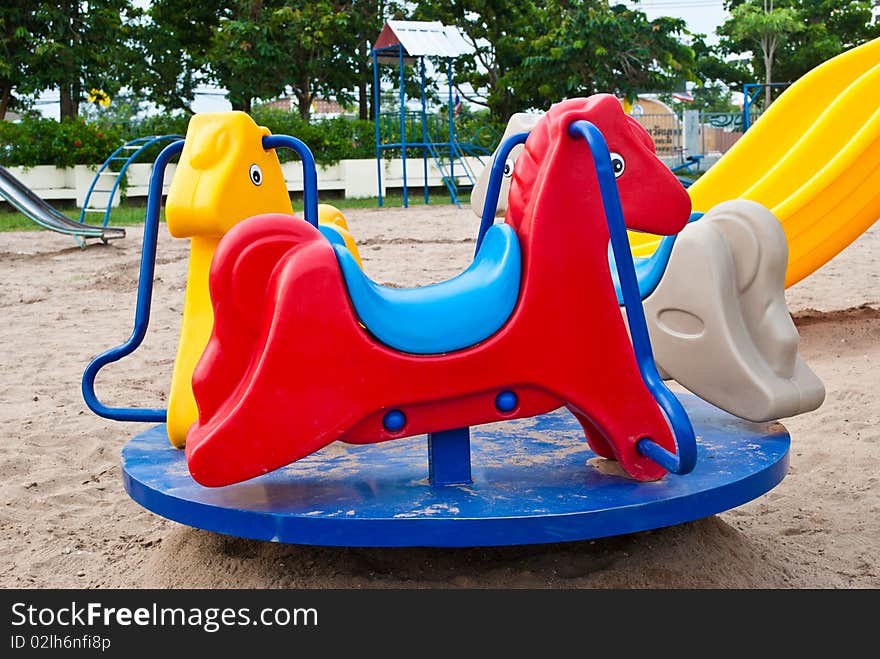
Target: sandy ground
[{"x": 65, "y": 520}]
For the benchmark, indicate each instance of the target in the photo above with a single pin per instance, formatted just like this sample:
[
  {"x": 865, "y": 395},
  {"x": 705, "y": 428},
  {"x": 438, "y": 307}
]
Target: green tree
[
  {"x": 83, "y": 46},
  {"x": 174, "y": 43},
  {"x": 711, "y": 66},
  {"x": 713, "y": 97},
  {"x": 16, "y": 46},
  {"x": 245, "y": 54},
  {"x": 261, "y": 47},
  {"x": 499, "y": 31},
  {"x": 714, "y": 78},
  {"x": 367, "y": 19},
  {"x": 318, "y": 57},
  {"x": 765, "y": 25},
  {"x": 585, "y": 48},
  {"x": 532, "y": 54},
  {"x": 829, "y": 28}
]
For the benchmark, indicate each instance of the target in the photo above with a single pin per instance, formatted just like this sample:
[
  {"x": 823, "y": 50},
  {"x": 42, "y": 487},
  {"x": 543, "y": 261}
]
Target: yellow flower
[{"x": 99, "y": 97}]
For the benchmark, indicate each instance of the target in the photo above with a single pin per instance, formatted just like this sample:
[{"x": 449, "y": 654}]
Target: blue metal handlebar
[
  {"x": 142, "y": 307},
  {"x": 683, "y": 461},
  {"x": 493, "y": 190},
  {"x": 148, "y": 266},
  {"x": 310, "y": 174}
]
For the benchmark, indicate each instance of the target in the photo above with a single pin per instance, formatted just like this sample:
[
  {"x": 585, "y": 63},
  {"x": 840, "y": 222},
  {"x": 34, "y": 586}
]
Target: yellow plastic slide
[{"x": 813, "y": 158}]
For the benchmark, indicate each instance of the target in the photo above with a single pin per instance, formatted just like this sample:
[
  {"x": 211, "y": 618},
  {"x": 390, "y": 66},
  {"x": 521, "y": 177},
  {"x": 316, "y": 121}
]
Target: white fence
[{"x": 353, "y": 178}]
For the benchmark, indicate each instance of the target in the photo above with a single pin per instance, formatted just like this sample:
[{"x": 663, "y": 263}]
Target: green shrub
[
  {"x": 38, "y": 141},
  {"x": 160, "y": 124},
  {"x": 330, "y": 140}
]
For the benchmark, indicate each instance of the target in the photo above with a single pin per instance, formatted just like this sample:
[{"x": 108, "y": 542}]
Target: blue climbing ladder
[
  {"x": 126, "y": 154},
  {"x": 451, "y": 162}
]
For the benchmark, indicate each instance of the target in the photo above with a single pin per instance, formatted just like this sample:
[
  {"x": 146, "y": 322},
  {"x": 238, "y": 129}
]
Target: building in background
[
  {"x": 321, "y": 108},
  {"x": 660, "y": 121}
]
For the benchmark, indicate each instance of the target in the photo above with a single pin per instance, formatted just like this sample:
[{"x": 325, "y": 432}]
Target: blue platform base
[{"x": 534, "y": 481}]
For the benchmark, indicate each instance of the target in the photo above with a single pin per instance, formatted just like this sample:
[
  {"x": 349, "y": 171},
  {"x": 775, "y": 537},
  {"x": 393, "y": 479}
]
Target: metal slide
[{"x": 29, "y": 204}]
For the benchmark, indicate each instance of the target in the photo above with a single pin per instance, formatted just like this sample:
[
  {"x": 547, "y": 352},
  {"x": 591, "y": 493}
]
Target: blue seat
[
  {"x": 649, "y": 270},
  {"x": 444, "y": 317}
]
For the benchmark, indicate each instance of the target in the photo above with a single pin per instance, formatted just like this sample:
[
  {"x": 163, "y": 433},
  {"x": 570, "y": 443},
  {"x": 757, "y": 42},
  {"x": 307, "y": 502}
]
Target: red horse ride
[{"x": 289, "y": 368}]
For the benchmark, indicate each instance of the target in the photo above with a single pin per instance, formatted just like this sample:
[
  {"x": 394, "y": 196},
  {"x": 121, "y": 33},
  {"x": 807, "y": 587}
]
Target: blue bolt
[
  {"x": 506, "y": 401},
  {"x": 394, "y": 421}
]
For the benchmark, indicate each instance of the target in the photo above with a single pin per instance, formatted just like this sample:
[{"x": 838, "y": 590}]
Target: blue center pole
[{"x": 449, "y": 457}]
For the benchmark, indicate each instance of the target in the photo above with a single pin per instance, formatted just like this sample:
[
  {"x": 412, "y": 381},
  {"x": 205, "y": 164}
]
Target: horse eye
[
  {"x": 256, "y": 175},
  {"x": 508, "y": 168},
  {"x": 618, "y": 165}
]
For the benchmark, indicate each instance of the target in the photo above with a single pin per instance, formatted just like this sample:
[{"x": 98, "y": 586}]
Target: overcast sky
[{"x": 701, "y": 15}]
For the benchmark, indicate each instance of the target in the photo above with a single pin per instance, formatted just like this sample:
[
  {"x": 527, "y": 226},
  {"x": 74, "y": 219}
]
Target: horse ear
[
  {"x": 641, "y": 134},
  {"x": 209, "y": 145},
  {"x": 612, "y": 106},
  {"x": 607, "y": 105},
  {"x": 609, "y": 109}
]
